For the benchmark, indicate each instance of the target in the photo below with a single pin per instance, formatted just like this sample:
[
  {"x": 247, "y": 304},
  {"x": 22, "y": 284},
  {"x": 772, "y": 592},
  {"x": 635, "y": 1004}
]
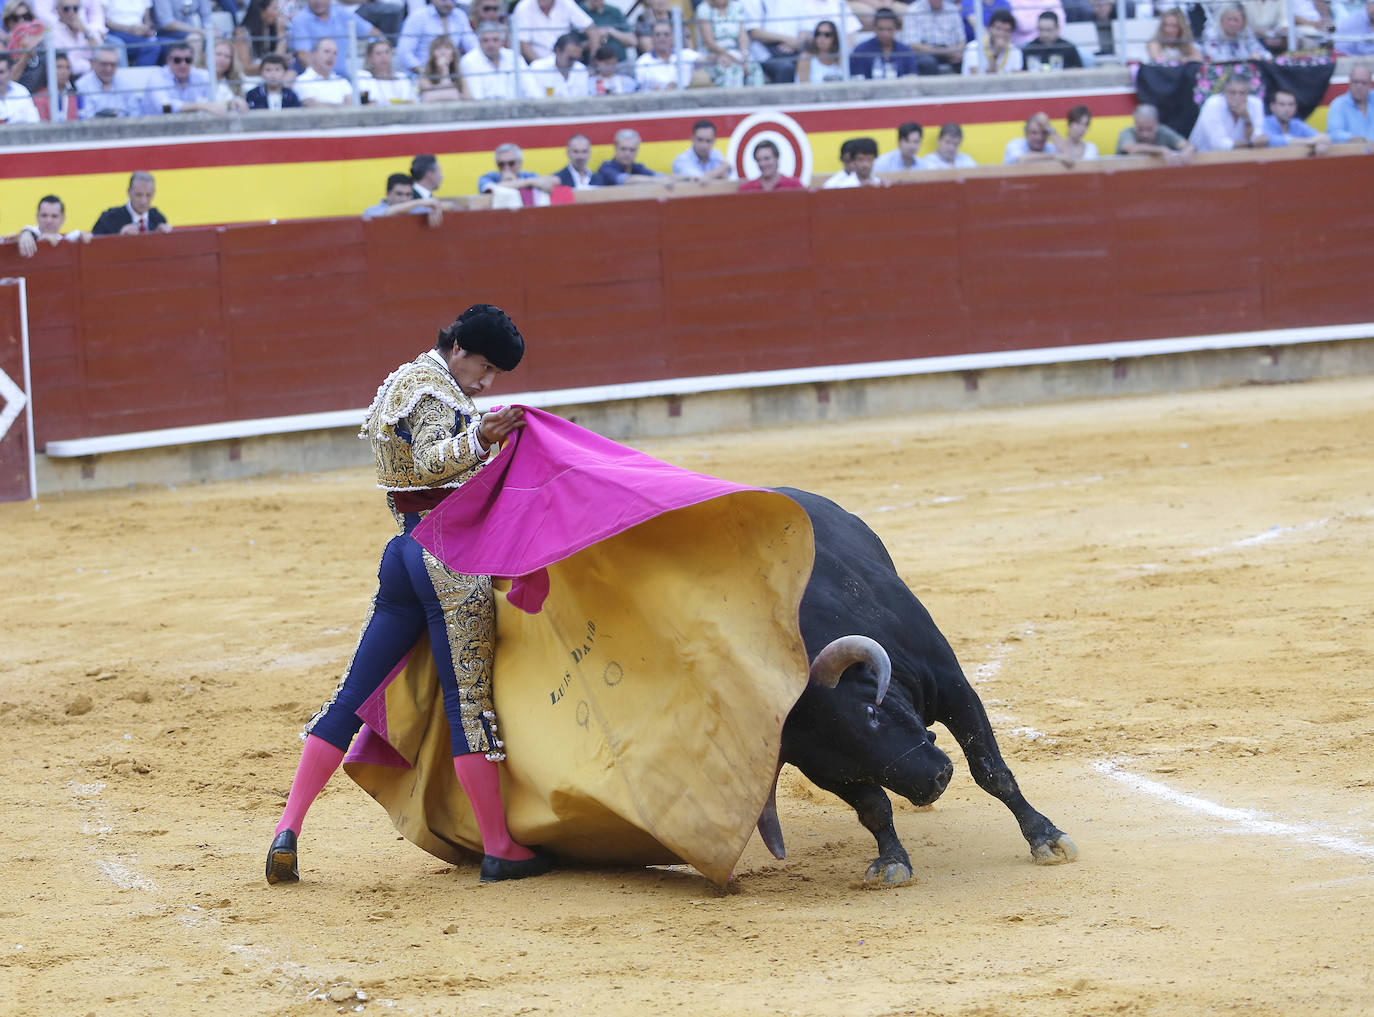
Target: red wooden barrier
[
  {"x": 135, "y": 333},
  {"x": 15, "y": 479}
]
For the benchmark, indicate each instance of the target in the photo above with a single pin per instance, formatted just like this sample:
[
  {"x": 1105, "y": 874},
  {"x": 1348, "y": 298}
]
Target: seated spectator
[
  {"x": 615, "y": 29},
  {"x": 27, "y": 45},
  {"x": 663, "y": 67},
  {"x": 701, "y": 161},
  {"x": 1231, "y": 39},
  {"x": 542, "y": 23},
  {"x": 76, "y": 30},
  {"x": 1079, "y": 120},
  {"x": 883, "y": 56},
  {"x": 934, "y": 29},
  {"x": 1147, "y": 136},
  {"x": 650, "y": 11},
  {"x": 1048, "y": 52},
  {"x": 863, "y": 153},
  {"x": 480, "y": 13},
  {"x": 1314, "y": 24},
  {"x": 997, "y": 55},
  {"x": 723, "y": 26},
  {"x": 319, "y": 84},
  {"x": 1283, "y": 127},
  {"x": 1103, "y": 14},
  {"x": 905, "y": 155},
  {"x": 440, "y": 80},
  {"x": 578, "y": 173},
  {"x": 264, "y": 30},
  {"x": 510, "y": 171},
  {"x": 490, "y": 69},
  {"x": 379, "y": 82},
  {"x": 766, "y": 157},
  {"x": 438, "y": 19},
  {"x": 52, "y": 215},
  {"x": 560, "y": 75},
  {"x": 512, "y": 186},
  {"x": 228, "y": 77},
  {"x": 103, "y": 92},
  {"x": 1173, "y": 40},
  {"x": 1356, "y": 30},
  {"x": 623, "y": 169},
  {"x": 425, "y": 175},
  {"x": 273, "y": 93},
  {"x": 820, "y": 58},
  {"x": 969, "y": 11},
  {"x": 137, "y": 215},
  {"x": 66, "y": 104},
  {"x": 130, "y": 23},
  {"x": 947, "y": 154},
  {"x": 1268, "y": 19},
  {"x": 791, "y": 25},
  {"x": 1035, "y": 146},
  {"x": 1350, "y": 117},
  {"x": 1234, "y": 119},
  {"x": 401, "y": 200},
  {"x": 608, "y": 80},
  {"x": 325, "y": 19},
  {"x": 181, "y": 21},
  {"x": 179, "y": 87},
  {"x": 1026, "y": 14}
]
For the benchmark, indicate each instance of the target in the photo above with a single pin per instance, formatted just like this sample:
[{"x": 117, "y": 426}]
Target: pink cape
[{"x": 553, "y": 490}]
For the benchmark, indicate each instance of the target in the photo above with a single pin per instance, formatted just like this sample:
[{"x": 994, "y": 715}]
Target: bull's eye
[{"x": 872, "y": 717}]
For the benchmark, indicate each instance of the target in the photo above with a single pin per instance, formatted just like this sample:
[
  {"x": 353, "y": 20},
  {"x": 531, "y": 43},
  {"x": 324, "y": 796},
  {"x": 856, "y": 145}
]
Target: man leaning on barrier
[{"x": 1147, "y": 136}]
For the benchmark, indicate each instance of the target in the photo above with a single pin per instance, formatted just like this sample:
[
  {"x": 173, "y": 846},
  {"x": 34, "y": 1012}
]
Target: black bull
[{"x": 854, "y": 739}]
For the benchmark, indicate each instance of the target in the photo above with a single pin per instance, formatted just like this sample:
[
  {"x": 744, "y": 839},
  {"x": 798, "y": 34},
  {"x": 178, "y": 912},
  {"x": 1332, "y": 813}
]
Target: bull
[{"x": 881, "y": 675}]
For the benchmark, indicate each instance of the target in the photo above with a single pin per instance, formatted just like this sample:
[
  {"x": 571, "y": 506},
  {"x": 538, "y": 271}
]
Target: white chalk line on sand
[
  {"x": 87, "y": 798},
  {"x": 1249, "y": 821},
  {"x": 1021, "y": 489},
  {"x": 1003, "y": 723},
  {"x": 1268, "y": 536}
]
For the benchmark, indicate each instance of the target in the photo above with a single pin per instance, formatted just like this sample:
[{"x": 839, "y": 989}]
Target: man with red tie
[{"x": 137, "y": 215}]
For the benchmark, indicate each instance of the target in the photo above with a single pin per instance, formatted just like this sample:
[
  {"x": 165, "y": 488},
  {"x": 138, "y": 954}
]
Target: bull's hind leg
[
  {"x": 892, "y": 867},
  {"x": 963, "y": 714}
]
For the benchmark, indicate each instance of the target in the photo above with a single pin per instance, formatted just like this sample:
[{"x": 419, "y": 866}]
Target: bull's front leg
[
  {"x": 963, "y": 714},
  {"x": 892, "y": 867}
]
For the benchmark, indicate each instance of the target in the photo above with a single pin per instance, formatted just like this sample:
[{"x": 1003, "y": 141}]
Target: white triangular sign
[{"x": 14, "y": 402}]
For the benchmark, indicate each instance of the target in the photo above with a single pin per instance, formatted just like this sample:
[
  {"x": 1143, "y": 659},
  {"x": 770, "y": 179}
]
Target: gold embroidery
[{"x": 470, "y": 620}]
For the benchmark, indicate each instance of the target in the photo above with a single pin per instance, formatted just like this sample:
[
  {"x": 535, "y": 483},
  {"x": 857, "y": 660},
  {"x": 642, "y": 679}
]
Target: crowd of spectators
[{"x": 284, "y": 53}]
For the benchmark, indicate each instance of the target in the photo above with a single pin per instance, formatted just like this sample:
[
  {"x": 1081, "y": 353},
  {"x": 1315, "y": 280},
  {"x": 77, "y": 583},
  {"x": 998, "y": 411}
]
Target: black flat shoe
[
  {"x": 496, "y": 869},
  {"x": 281, "y": 859}
]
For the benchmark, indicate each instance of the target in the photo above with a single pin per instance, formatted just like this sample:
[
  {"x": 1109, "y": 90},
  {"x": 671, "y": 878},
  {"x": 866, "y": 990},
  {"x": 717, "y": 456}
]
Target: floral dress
[{"x": 727, "y": 26}]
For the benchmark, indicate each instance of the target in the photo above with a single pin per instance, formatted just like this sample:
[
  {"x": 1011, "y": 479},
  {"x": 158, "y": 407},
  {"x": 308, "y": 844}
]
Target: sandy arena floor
[{"x": 1165, "y": 603}]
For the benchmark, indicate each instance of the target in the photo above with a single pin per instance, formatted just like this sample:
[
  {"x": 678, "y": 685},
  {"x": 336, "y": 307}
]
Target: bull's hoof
[
  {"x": 887, "y": 872},
  {"x": 1054, "y": 852}
]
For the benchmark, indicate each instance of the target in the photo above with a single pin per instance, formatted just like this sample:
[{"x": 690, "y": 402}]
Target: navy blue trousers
[{"x": 405, "y": 604}]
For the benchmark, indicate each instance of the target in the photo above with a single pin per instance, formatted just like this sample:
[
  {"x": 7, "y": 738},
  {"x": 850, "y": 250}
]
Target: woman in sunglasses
[
  {"x": 26, "y": 38},
  {"x": 77, "y": 28},
  {"x": 821, "y": 61}
]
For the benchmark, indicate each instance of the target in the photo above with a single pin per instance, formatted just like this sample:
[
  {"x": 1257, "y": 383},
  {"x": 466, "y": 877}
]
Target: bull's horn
[
  {"x": 847, "y": 650},
  {"x": 769, "y": 827}
]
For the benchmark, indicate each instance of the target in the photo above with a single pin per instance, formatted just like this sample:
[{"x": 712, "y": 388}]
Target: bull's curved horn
[{"x": 841, "y": 653}]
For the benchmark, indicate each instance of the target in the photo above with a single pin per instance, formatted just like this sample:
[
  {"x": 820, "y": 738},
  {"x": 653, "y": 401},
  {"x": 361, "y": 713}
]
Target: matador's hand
[{"x": 497, "y": 426}]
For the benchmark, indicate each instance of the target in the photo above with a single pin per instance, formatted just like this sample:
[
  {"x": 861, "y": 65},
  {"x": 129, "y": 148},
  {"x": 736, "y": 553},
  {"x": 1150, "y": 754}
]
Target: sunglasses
[
  {"x": 26, "y": 16},
  {"x": 825, "y": 35},
  {"x": 178, "y": 60},
  {"x": 505, "y": 164},
  {"x": 69, "y": 10}
]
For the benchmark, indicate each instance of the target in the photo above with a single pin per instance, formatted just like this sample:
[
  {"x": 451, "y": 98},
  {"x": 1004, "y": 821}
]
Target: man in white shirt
[
  {"x": 16, "y": 105},
  {"x": 1234, "y": 119},
  {"x": 539, "y": 24},
  {"x": 863, "y": 153},
  {"x": 319, "y": 85},
  {"x": 439, "y": 17},
  {"x": 490, "y": 69},
  {"x": 52, "y": 215},
  {"x": 178, "y": 87},
  {"x": 560, "y": 75},
  {"x": 702, "y": 161},
  {"x": 578, "y": 173},
  {"x": 661, "y": 68}
]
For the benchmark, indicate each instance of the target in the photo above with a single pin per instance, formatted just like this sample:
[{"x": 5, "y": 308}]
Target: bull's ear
[{"x": 770, "y": 830}]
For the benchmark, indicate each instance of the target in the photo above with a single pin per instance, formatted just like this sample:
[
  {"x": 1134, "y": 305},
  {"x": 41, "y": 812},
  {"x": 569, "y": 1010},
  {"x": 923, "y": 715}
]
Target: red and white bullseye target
[{"x": 794, "y": 148}]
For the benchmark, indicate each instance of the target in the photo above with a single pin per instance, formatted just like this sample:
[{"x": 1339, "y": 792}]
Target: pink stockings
[
  {"x": 480, "y": 777},
  {"x": 481, "y": 780}
]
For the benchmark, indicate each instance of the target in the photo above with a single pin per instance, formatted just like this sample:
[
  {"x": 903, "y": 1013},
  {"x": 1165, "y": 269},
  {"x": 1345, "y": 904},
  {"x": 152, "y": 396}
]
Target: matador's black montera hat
[{"x": 487, "y": 330}]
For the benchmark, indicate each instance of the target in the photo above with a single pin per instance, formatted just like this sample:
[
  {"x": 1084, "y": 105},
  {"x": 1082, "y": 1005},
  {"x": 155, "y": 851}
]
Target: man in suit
[
  {"x": 137, "y": 215},
  {"x": 578, "y": 174}
]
